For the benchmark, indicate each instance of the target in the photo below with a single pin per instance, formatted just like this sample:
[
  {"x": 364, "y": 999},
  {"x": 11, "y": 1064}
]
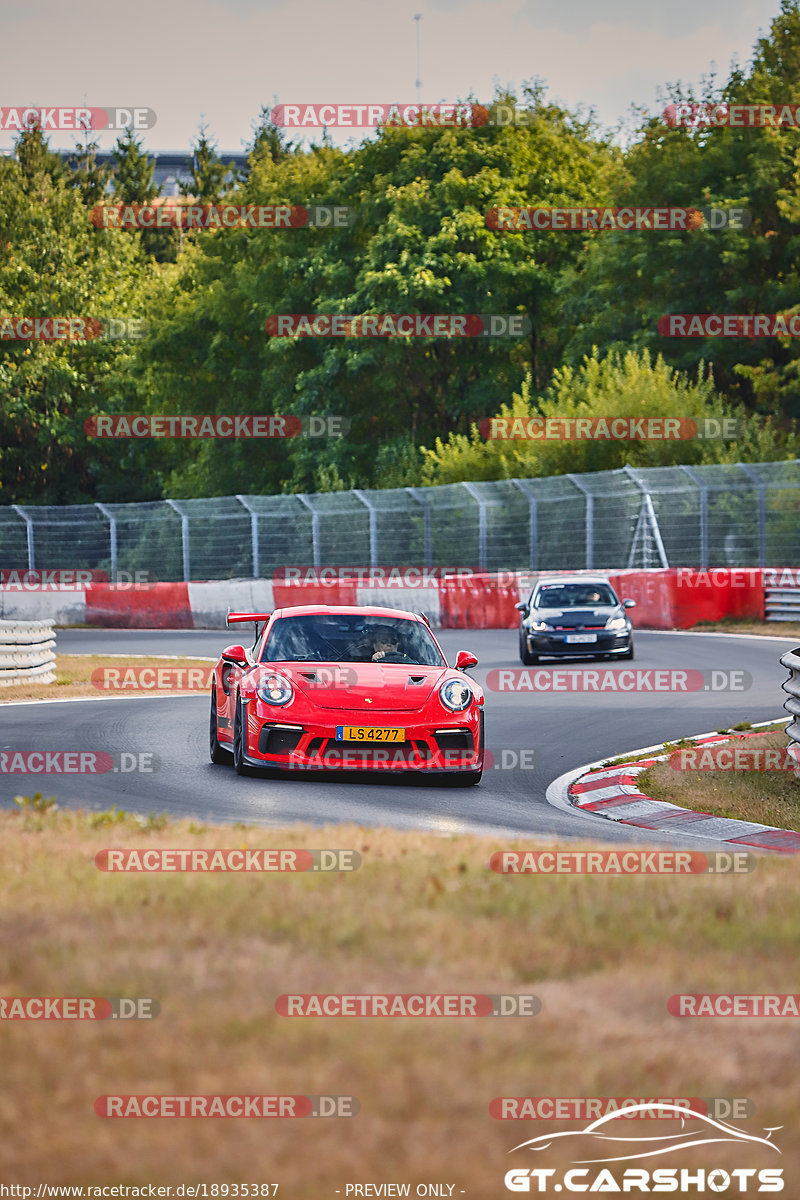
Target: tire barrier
[{"x": 27, "y": 651}]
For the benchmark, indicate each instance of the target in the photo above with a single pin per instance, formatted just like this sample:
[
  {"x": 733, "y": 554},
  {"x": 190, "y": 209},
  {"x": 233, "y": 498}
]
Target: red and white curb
[{"x": 611, "y": 792}]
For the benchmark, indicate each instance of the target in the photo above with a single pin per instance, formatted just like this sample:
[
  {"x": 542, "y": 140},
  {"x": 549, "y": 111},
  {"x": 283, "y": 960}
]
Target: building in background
[{"x": 172, "y": 167}]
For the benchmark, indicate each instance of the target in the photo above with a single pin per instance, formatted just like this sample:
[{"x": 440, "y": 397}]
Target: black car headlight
[
  {"x": 539, "y": 626},
  {"x": 617, "y": 624},
  {"x": 456, "y": 695},
  {"x": 275, "y": 689}
]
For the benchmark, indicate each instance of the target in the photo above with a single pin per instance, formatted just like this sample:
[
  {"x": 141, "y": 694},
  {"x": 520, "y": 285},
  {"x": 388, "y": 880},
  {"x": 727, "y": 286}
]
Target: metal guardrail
[
  {"x": 791, "y": 660},
  {"x": 782, "y": 603},
  {"x": 27, "y": 651}
]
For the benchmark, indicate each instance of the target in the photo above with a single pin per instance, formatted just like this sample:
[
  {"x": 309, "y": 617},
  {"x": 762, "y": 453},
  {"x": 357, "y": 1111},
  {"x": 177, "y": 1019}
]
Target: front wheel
[
  {"x": 239, "y": 740},
  {"x": 525, "y": 655},
  {"x": 628, "y": 656},
  {"x": 218, "y": 753}
]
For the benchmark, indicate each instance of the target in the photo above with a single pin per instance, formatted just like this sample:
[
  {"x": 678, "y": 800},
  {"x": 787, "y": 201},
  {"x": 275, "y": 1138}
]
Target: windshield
[
  {"x": 573, "y": 595},
  {"x": 351, "y": 637}
]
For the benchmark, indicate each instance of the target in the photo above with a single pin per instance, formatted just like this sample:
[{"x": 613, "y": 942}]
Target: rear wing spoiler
[{"x": 233, "y": 617}]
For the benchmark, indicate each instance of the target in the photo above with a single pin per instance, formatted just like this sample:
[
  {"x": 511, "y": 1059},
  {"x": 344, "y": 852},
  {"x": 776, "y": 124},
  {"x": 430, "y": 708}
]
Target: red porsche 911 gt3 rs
[{"x": 346, "y": 688}]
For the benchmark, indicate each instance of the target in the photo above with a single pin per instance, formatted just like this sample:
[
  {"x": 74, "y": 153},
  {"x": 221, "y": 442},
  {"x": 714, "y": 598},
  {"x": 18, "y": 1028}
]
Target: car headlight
[
  {"x": 455, "y": 695},
  {"x": 275, "y": 689},
  {"x": 619, "y": 623},
  {"x": 540, "y": 626}
]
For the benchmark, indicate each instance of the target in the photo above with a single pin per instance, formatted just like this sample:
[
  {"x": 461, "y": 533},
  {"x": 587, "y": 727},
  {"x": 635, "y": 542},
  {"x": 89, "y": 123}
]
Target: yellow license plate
[{"x": 363, "y": 733}]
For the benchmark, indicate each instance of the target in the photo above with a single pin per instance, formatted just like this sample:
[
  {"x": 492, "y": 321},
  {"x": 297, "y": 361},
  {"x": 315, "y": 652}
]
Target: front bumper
[
  {"x": 311, "y": 745},
  {"x": 555, "y": 643}
]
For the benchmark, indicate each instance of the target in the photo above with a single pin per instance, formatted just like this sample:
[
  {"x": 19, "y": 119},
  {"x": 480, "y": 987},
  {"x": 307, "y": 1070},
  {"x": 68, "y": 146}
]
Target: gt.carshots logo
[
  {"x": 641, "y": 679},
  {"x": 614, "y": 1145}
]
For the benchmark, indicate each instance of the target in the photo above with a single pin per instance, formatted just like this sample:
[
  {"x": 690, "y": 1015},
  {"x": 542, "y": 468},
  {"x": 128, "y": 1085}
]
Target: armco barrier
[
  {"x": 791, "y": 660},
  {"x": 671, "y": 598},
  {"x": 781, "y": 594},
  {"x": 27, "y": 652}
]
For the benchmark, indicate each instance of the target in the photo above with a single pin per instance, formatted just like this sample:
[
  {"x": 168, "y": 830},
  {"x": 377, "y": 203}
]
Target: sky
[{"x": 218, "y": 62}]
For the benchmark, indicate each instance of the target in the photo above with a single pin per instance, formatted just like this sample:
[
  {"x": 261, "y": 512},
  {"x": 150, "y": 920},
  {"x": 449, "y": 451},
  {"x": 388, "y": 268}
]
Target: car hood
[
  {"x": 371, "y": 686},
  {"x": 576, "y": 618}
]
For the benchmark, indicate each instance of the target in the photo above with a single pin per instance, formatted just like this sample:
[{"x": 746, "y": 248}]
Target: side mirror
[
  {"x": 521, "y": 607},
  {"x": 465, "y": 660},
  {"x": 629, "y": 604},
  {"x": 235, "y": 655}
]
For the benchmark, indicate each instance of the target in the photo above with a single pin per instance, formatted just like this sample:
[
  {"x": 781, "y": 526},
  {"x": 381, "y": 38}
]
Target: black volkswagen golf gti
[{"x": 575, "y": 616}]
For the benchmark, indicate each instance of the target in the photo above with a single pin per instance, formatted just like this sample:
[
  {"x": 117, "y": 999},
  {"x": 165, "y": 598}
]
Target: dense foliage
[{"x": 418, "y": 242}]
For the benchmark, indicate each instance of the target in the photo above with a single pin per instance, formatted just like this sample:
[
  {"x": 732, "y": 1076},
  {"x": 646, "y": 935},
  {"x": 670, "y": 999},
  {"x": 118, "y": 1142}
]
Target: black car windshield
[
  {"x": 351, "y": 637},
  {"x": 573, "y": 595}
]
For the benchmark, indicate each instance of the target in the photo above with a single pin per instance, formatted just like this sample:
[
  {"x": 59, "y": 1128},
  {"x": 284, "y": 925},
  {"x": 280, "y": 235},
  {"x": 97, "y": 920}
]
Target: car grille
[
  {"x": 272, "y": 740},
  {"x": 455, "y": 739}
]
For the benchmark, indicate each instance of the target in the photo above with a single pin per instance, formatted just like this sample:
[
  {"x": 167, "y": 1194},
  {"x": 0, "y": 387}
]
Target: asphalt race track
[{"x": 564, "y": 729}]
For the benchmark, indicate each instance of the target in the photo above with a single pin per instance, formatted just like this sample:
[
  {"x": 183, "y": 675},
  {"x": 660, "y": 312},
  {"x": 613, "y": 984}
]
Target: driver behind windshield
[{"x": 386, "y": 646}]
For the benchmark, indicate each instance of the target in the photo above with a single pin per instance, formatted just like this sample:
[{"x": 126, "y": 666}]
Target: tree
[
  {"x": 53, "y": 263},
  {"x": 419, "y": 243},
  {"x": 133, "y": 171},
  {"x": 623, "y": 282},
  {"x": 211, "y": 177},
  {"x": 134, "y": 184},
  {"x": 619, "y": 385}
]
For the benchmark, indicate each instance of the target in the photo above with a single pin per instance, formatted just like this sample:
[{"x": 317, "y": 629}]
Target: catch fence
[{"x": 745, "y": 514}]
